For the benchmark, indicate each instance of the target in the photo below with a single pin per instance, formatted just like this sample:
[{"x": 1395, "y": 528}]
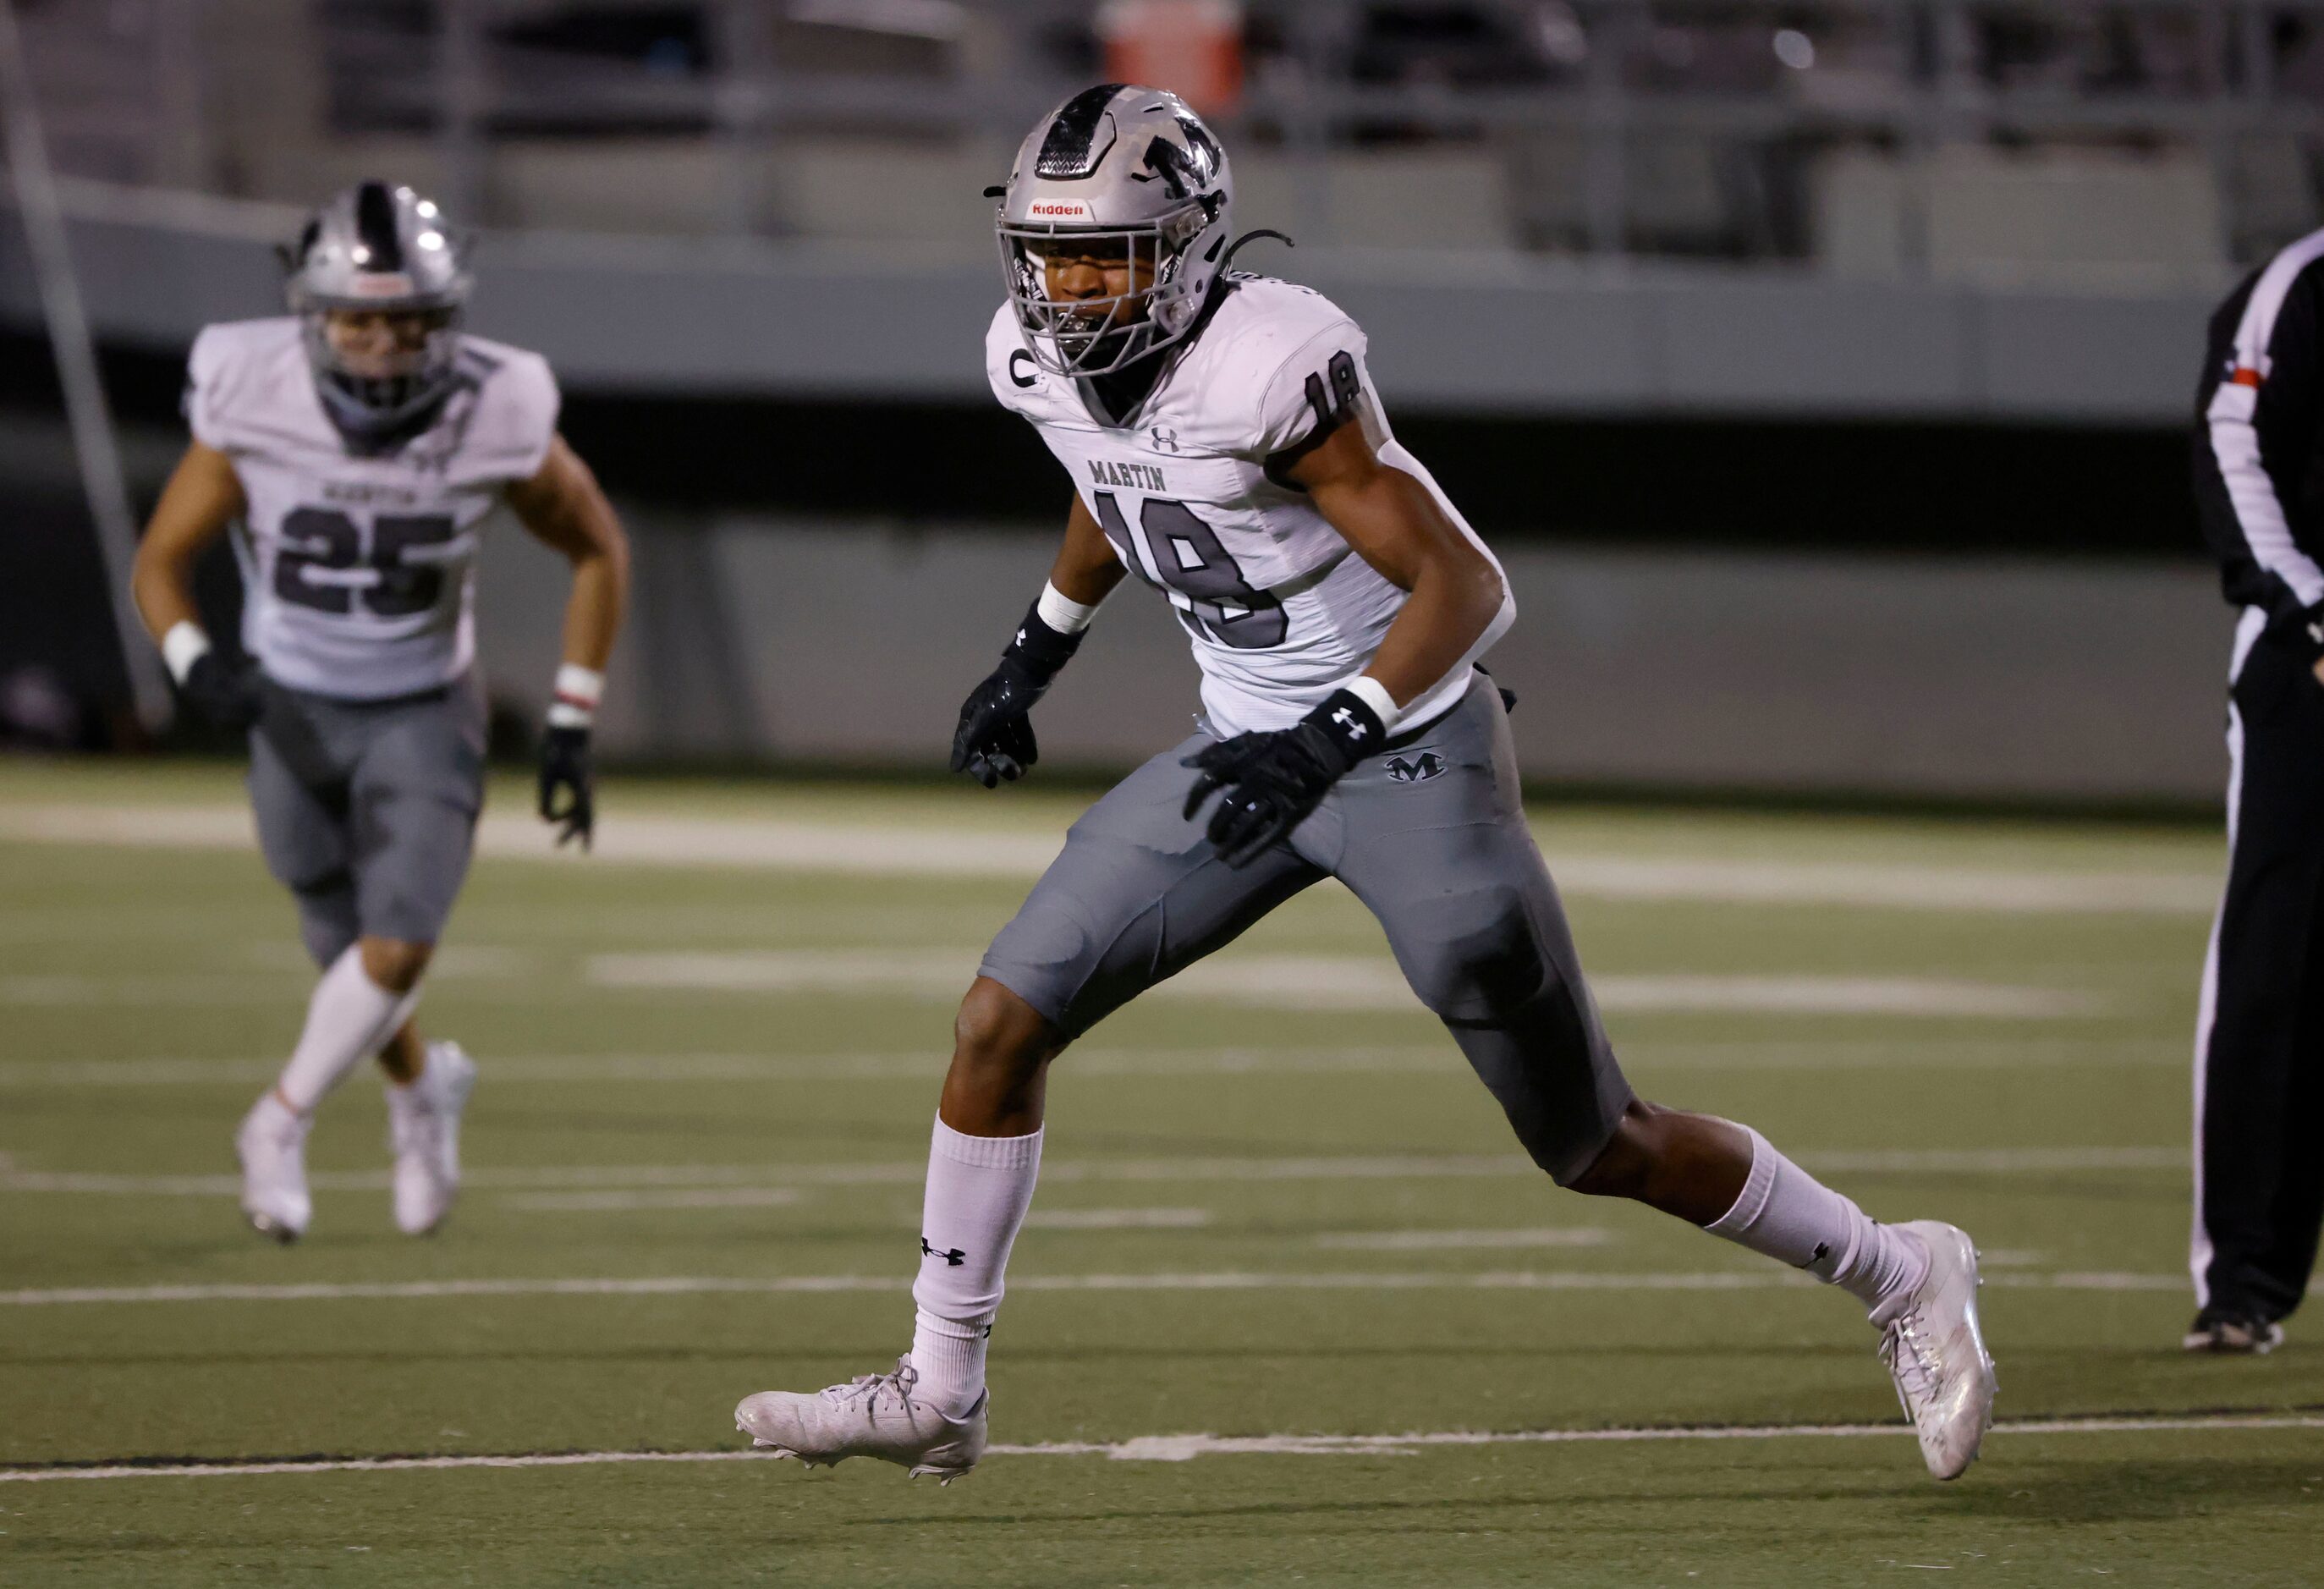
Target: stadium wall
[
  {"x": 852, "y": 643},
  {"x": 1470, "y": 332}
]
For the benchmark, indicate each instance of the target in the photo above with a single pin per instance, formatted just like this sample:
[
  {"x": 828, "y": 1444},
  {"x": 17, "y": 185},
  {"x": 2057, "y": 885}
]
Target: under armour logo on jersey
[
  {"x": 952, "y": 1259},
  {"x": 1165, "y": 440},
  {"x": 1346, "y": 719},
  {"x": 1024, "y": 380},
  {"x": 1418, "y": 769}
]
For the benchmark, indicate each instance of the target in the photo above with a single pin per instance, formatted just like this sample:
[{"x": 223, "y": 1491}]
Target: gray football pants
[
  {"x": 1429, "y": 833},
  {"x": 367, "y": 809}
]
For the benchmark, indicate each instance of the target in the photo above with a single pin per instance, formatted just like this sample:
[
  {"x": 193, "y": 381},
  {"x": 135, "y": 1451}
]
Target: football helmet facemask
[{"x": 1130, "y": 174}]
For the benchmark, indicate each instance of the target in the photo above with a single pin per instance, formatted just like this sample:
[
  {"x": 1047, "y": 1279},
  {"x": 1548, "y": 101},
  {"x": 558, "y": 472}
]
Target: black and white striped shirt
[{"x": 2259, "y": 446}]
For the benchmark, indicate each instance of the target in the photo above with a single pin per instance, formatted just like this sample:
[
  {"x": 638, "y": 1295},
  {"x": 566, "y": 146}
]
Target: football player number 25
[
  {"x": 1187, "y": 555},
  {"x": 322, "y": 546}
]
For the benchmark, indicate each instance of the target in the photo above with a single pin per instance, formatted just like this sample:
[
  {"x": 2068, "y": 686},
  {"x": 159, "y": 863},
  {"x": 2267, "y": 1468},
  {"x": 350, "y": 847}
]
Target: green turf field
[{"x": 1276, "y": 1211}]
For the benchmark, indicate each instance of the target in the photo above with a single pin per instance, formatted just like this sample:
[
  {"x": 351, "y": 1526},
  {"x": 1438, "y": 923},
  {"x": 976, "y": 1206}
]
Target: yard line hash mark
[{"x": 1186, "y": 1447}]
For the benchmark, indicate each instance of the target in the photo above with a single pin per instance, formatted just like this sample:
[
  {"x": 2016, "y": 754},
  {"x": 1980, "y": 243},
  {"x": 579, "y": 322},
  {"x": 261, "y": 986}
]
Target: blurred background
[{"x": 1821, "y": 371}]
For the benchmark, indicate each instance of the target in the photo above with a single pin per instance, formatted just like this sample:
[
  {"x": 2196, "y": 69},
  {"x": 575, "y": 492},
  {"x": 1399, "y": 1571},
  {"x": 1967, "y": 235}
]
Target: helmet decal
[
  {"x": 1071, "y": 149},
  {"x": 380, "y": 249},
  {"x": 1187, "y": 169}
]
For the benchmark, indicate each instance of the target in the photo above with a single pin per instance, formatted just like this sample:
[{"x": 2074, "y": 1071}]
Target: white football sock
[
  {"x": 348, "y": 1018},
  {"x": 978, "y": 1190},
  {"x": 1787, "y": 1214}
]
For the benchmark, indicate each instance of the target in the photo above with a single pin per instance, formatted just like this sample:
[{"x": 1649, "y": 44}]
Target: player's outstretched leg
[
  {"x": 364, "y": 996},
  {"x": 1918, "y": 1282},
  {"x": 428, "y": 1087},
  {"x": 928, "y": 1415},
  {"x": 1448, "y": 865}
]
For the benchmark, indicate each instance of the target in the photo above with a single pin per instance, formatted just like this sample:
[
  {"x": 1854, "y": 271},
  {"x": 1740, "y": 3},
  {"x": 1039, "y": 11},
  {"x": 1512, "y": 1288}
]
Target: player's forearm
[
  {"x": 162, "y": 586},
  {"x": 202, "y": 497},
  {"x": 1079, "y": 580},
  {"x": 1086, "y": 569},
  {"x": 1454, "y": 601},
  {"x": 593, "y": 614}
]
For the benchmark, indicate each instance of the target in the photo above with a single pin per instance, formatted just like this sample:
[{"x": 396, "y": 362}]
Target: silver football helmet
[
  {"x": 371, "y": 248},
  {"x": 1124, "y": 169}
]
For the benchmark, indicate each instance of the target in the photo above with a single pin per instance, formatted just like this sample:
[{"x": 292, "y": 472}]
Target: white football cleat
[
  {"x": 272, "y": 1147},
  {"x": 424, "y": 1130},
  {"x": 1935, "y": 1351},
  {"x": 876, "y": 1415}
]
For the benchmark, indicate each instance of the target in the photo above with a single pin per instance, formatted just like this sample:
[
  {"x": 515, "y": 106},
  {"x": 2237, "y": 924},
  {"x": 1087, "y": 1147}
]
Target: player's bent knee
[
  {"x": 1627, "y": 1165},
  {"x": 395, "y": 963},
  {"x": 996, "y": 1030},
  {"x": 327, "y": 923},
  {"x": 1481, "y": 958}
]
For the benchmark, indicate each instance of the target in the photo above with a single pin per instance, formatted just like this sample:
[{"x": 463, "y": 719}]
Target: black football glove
[
  {"x": 994, "y": 741},
  {"x": 1269, "y": 783},
  {"x": 565, "y": 772},
  {"x": 224, "y": 693}
]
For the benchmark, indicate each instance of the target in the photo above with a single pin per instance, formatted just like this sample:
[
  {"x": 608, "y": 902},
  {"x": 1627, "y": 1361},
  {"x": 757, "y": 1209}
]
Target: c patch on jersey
[{"x": 1418, "y": 769}]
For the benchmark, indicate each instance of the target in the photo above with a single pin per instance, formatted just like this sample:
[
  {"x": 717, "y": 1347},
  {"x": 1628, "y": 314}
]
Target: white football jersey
[
  {"x": 358, "y": 572},
  {"x": 1193, "y": 499}
]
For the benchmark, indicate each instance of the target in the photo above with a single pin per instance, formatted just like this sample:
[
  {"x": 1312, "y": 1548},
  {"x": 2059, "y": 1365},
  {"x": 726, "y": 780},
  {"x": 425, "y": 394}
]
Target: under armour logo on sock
[
  {"x": 1822, "y": 1251},
  {"x": 1346, "y": 719},
  {"x": 952, "y": 1259}
]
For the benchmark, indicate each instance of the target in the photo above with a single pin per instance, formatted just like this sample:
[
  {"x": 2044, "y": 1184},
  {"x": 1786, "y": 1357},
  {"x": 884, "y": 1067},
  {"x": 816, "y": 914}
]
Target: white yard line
[
  {"x": 1186, "y": 1447},
  {"x": 920, "y": 849},
  {"x": 631, "y": 1201},
  {"x": 918, "y": 1065},
  {"x": 928, "y": 1064},
  {"x": 1117, "y": 1219},
  {"x": 1335, "y": 983},
  {"x": 1993, "y": 1161},
  {"x": 15, "y": 1177},
  {"x": 180, "y": 990},
  {"x": 1574, "y": 1280},
  {"x": 1343, "y": 984},
  {"x": 1464, "y": 1240}
]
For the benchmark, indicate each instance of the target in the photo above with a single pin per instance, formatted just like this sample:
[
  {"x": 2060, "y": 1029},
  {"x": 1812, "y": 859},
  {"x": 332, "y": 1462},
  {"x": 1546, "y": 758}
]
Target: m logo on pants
[{"x": 1418, "y": 769}]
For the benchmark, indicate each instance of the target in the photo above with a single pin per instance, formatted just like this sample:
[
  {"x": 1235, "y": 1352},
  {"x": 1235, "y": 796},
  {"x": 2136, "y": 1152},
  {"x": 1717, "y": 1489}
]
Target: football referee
[{"x": 2259, "y": 1040}]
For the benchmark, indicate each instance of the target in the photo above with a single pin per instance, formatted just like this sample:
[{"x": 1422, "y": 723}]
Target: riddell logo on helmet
[
  {"x": 1056, "y": 209},
  {"x": 381, "y": 284}
]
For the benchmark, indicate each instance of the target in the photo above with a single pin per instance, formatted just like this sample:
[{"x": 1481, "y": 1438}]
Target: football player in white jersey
[
  {"x": 356, "y": 446},
  {"x": 1226, "y": 445}
]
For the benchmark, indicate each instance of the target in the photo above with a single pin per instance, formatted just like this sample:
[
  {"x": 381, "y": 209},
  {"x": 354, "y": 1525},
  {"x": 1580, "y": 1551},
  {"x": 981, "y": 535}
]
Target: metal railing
[{"x": 1753, "y": 91}]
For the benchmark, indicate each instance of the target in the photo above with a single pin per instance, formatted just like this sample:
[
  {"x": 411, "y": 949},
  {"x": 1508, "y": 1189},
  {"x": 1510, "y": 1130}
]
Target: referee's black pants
[{"x": 2259, "y": 1045}]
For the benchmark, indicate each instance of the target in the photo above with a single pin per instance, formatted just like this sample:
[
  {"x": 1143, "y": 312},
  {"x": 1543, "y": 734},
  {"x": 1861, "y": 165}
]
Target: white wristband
[
  {"x": 1374, "y": 694},
  {"x": 186, "y": 643},
  {"x": 1061, "y": 612},
  {"x": 578, "y": 691}
]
